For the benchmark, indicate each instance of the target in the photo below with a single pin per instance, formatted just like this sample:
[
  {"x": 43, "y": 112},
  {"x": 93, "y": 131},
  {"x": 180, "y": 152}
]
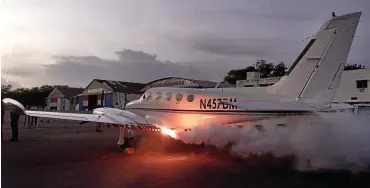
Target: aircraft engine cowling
[{"x": 124, "y": 113}]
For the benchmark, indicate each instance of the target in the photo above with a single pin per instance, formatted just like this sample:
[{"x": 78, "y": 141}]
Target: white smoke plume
[{"x": 335, "y": 141}]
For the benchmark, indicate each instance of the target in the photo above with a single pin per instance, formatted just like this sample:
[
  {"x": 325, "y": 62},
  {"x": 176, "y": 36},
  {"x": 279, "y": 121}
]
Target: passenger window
[
  {"x": 179, "y": 97},
  {"x": 190, "y": 98},
  {"x": 168, "y": 96},
  {"x": 158, "y": 95}
]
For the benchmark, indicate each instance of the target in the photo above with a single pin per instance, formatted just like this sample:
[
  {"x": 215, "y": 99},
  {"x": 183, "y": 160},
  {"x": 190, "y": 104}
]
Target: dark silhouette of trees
[
  {"x": 268, "y": 70},
  {"x": 27, "y": 96},
  {"x": 279, "y": 70},
  {"x": 261, "y": 66}
]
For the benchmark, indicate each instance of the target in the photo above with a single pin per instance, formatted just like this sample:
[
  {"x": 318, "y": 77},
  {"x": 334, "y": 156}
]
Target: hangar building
[
  {"x": 62, "y": 98},
  {"x": 109, "y": 93},
  {"x": 117, "y": 94}
]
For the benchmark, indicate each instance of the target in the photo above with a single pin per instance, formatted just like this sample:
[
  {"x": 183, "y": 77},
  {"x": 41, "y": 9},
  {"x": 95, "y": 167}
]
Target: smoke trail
[{"x": 326, "y": 140}]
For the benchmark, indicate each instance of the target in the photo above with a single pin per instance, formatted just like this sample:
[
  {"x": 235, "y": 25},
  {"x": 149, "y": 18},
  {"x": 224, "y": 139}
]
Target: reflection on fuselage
[{"x": 184, "y": 108}]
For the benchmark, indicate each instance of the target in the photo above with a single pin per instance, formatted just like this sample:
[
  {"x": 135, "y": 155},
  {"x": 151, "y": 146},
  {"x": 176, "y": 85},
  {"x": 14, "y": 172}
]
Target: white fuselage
[{"x": 184, "y": 108}]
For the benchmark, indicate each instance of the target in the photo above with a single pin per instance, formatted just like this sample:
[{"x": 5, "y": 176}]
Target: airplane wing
[
  {"x": 272, "y": 106},
  {"x": 113, "y": 119},
  {"x": 18, "y": 108}
]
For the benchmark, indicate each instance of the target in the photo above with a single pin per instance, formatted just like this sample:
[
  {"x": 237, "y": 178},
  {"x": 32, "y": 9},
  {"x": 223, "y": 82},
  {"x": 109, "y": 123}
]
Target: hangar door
[{"x": 108, "y": 100}]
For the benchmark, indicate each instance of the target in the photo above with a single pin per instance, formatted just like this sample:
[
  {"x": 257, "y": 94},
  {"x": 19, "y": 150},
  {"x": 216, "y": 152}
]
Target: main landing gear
[{"x": 125, "y": 140}]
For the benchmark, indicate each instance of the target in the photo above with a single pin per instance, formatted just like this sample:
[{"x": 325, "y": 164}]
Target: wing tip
[{"x": 14, "y": 106}]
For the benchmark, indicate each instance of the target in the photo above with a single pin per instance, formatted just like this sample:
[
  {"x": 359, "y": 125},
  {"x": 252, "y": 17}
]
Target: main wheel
[{"x": 130, "y": 151}]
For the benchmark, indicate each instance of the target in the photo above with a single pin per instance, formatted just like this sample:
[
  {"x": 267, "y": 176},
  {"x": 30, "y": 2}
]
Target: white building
[
  {"x": 108, "y": 93},
  {"x": 254, "y": 80},
  {"x": 62, "y": 98},
  {"x": 353, "y": 87}
]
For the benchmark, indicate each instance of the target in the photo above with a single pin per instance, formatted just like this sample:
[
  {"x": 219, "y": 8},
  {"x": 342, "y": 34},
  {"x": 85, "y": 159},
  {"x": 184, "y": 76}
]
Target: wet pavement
[{"x": 65, "y": 154}]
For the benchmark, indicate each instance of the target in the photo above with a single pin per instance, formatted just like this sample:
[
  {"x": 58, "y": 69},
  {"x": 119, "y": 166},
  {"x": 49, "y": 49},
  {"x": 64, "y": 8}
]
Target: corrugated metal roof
[
  {"x": 122, "y": 87},
  {"x": 69, "y": 91}
]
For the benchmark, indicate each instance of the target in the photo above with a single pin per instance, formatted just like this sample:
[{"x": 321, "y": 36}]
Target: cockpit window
[
  {"x": 147, "y": 95},
  {"x": 168, "y": 96}
]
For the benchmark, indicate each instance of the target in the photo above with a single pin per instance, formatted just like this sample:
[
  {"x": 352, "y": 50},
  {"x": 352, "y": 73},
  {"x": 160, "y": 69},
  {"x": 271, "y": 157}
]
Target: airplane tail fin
[{"x": 316, "y": 73}]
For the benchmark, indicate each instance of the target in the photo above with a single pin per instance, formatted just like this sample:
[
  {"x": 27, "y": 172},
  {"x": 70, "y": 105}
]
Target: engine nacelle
[{"x": 124, "y": 113}]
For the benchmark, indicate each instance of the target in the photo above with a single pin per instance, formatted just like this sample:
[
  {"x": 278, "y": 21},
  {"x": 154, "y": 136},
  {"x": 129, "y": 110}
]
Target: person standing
[
  {"x": 31, "y": 117},
  {"x": 36, "y": 119},
  {"x": 2, "y": 119},
  {"x": 14, "y": 118}
]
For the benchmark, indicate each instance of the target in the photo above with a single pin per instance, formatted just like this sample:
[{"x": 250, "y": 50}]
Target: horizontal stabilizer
[{"x": 272, "y": 106}]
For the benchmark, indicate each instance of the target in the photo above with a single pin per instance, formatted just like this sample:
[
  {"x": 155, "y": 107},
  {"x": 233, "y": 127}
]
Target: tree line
[
  {"x": 37, "y": 95},
  {"x": 27, "y": 96},
  {"x": 268, "y": 70}
]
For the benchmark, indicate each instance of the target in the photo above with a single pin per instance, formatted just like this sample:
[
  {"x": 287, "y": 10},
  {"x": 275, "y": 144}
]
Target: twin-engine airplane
[{"x": 308, "y": 88}]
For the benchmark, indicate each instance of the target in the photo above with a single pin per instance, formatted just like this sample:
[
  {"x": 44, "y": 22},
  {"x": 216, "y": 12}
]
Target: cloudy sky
[{"x": 71, "y": 42}]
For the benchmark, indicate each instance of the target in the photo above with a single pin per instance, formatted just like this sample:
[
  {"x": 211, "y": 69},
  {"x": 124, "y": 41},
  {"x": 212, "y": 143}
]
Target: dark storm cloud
[
  {"x": 21, "y": 71},
  {"x": 135, "y": 56},
  {"x": 214, "y": 35},
  {"x": 136, "y": 66},
  {"x": 273, "y": 30},
  {"x": 256, "y": 48}
]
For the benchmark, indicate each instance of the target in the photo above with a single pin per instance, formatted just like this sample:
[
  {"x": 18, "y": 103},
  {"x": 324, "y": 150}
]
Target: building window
[
  {"x": 190, "y": 98},
  {"x": 361, "y": 84},
  {"x": 353, "y": 98},
  {"x": 179, "y": 97},
  {"x": 168, "y": 96}
]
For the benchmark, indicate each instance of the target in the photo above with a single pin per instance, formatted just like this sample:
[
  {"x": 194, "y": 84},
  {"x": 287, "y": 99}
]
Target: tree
[
  {"x": 26, "y": 96},
  {"x": 279, "y": 70},
  {"x": 265, "y": 69},
  {"x": 238, "y": 74},
  {"x": 269, "y": 70},
  {"x": 5, "y": 89}
]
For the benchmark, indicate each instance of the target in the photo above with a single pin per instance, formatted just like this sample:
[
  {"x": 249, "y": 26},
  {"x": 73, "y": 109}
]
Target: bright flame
[{"x": 168, "y": 132}]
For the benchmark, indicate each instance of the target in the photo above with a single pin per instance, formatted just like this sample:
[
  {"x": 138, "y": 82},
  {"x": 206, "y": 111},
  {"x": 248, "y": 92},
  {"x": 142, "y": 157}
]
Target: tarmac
[{"x": 65, "y": 154}]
